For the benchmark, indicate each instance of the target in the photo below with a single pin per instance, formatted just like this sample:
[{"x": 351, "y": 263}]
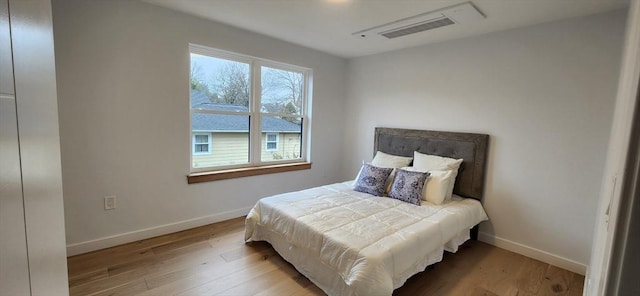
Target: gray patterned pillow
[
  {"x": 407, "y": 186},
  {"x": 372, "y": 179}
]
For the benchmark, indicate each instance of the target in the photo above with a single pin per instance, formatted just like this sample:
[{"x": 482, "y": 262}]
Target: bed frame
[{"x": 472, "y": 148}]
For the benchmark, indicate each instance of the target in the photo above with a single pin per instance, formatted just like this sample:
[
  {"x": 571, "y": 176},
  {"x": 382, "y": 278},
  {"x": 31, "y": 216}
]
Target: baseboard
[
  {"x": 118, "y": 239},
  {"x": 534, "y": 253}
]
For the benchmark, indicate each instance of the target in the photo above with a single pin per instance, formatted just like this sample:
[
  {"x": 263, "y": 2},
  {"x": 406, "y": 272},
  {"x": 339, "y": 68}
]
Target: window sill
[{"x": 246, "y": 172}]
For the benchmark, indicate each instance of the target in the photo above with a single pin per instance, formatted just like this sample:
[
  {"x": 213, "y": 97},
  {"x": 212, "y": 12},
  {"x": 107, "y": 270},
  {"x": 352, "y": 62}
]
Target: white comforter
[{"x": 373, "y": 244}]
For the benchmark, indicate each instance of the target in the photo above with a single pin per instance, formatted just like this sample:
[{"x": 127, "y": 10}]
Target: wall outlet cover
[{"x": 110, "y": 202}]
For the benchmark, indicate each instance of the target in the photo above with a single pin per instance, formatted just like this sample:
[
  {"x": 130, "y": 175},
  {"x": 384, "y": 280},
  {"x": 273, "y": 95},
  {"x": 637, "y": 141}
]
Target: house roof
[{"x": 231, "y": 123}]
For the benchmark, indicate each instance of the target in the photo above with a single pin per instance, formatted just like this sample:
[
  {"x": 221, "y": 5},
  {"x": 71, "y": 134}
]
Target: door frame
[{"x": 599, "y": 271}]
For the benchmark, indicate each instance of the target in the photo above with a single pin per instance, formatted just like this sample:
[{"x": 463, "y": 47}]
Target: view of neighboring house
[{"x": 223, "y": 139}]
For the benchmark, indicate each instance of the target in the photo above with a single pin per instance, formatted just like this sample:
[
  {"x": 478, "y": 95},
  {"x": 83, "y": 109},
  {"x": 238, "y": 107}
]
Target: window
[
  {"x": 201, "y": 143},
  {"x": 244, "y": 102},
  {"x": 271, "y": 142}
]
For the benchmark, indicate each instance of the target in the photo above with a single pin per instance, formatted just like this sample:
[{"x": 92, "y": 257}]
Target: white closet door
[
  {"x": 31, "y": 178},
  {"x": 14, "y": 272},
  {"x": 6, "y": 65},
  {"x": 14, "y": 268}
]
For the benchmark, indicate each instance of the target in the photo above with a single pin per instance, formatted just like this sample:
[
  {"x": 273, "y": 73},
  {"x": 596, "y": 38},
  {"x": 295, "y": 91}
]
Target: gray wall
[
  {"x": 123, "y": 88},
  {"x": 544, "y": 93}
]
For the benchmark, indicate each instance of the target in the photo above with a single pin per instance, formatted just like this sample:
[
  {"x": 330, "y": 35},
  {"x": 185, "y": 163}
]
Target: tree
[
  {"x": 284, "y": 86},
  {"x": 196, "y": 80},
  {"x": 232, "y": 85},
  {"x": 289, "y": 108}
]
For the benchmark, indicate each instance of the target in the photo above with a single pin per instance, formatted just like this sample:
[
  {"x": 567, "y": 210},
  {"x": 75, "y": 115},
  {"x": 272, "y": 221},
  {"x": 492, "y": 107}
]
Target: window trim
[
  {"x": 194, "y": 143},
  {"x": 266, "y": 141},
  {"x": 209, "y": 176},
  {"x": 255, "y": 114}
]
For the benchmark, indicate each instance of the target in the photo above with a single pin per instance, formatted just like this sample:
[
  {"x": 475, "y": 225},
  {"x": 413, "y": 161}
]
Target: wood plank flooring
[{"x": 214, "y": 260}]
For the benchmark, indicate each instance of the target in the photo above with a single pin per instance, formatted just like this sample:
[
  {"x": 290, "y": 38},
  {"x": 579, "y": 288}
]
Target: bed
[{"x": 353, "y": 243}]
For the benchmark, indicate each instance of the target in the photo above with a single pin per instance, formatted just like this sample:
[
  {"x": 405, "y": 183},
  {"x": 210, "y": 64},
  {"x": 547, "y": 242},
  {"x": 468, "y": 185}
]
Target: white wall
[
  {"x": 545, "y": 95},
  {"x": 123, "y": 73}
]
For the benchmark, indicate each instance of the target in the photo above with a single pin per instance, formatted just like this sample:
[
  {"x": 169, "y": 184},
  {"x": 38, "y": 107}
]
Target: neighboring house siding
[
  {"x": 226, "y": 149},
  {"x": 231, "y": 148},
  {"x": 288, "y": 147}
]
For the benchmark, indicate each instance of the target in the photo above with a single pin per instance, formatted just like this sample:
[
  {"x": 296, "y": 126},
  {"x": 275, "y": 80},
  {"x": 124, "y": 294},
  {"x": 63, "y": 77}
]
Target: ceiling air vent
[
  {"x": 428, "y": 25},
  {"x": 457, "y": 14}
]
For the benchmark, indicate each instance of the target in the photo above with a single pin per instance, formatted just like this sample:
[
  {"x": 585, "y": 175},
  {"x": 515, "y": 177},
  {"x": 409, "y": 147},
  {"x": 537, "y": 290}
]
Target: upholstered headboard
[{"x": 472, "y": 148}]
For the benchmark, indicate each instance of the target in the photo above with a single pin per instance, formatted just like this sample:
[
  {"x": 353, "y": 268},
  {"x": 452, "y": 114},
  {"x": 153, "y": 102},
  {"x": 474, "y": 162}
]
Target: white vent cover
[{"x": 457, "y": 14}]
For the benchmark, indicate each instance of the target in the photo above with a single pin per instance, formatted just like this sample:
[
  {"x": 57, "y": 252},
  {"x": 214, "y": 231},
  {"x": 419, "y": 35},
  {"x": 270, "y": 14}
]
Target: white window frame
[
  {"x": 255, "y": 114},
  {"x": 194, "y": 143},
  {"x": 266, "y": 141}
]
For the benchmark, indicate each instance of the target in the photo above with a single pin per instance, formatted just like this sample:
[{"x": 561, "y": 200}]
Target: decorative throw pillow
[
  {"x": 385, "y": 160},
  {"x": 407, "y": 186},
  {"x": 437, "y": 185},
  {"x": 372, "y": 179},
  {"x": 426, "y": 162}
]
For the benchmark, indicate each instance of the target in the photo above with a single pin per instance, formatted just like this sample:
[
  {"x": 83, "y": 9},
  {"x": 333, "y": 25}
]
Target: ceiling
[{"x": 327, "y": 25}]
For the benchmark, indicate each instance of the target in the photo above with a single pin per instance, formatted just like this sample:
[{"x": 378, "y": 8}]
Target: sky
[{"x": 209, "y": 66}]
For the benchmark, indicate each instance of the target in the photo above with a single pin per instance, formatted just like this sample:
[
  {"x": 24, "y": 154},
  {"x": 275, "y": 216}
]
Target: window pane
[
  {"x": 229, "y": 139},
  {"x": 219, "y": 84},
  {"x": 202, "y": 139},
  {"x": 281, "y": 138},
  {"x": 202, "y": 147},
  {"x": 281, "y": 91}
]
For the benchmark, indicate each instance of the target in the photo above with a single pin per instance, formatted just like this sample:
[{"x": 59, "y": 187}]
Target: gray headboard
[{"x": 472, "y": 148}]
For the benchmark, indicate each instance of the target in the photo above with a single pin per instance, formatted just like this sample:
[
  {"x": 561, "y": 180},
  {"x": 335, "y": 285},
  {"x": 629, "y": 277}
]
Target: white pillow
[
  {"x": 437, "y": 186},
  {"x": 390, "y": 161},
  {"x": 426, "y": 162},
  {"x": 434, "y": 162}
]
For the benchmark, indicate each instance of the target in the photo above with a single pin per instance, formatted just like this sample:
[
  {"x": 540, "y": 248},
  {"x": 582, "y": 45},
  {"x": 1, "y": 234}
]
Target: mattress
[{"x": 353, "y": 243}]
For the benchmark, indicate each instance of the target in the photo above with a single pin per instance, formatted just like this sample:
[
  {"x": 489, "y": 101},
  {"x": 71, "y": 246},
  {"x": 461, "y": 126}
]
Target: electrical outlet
[{"x": 110, "y": 202}]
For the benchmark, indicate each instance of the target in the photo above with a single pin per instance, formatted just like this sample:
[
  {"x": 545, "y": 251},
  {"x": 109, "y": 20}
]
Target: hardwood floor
[{"x": 214, "y": 260}]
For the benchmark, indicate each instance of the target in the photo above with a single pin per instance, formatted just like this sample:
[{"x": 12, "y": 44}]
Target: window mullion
[
  {"x": 282, "y": 115},
  {"x": 256, "y": 119},
  {"x": 206, "y": 111},
  {"x": 304, "y": 140}
]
